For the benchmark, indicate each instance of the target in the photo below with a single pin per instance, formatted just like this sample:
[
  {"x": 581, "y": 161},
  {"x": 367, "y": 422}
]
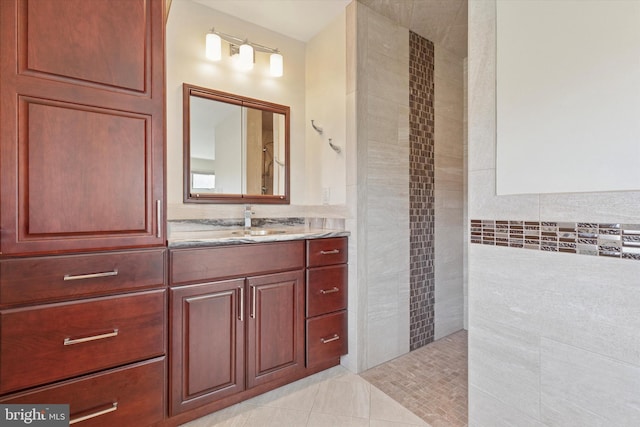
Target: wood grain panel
[
  {"x": 100, "y": 42},
  {"x": 42, "y": 279},
  {"x": 327, "y": 251},
  {"x": 67, "y": 157},
  {"x": 207, "y": 347},
  {"x": 33, "y": 339},
  {"x": 326, "y": 289},
  {"x": 199, "y": 264},
  {"x": 326, "y": 337},
  {"x": 275, "y": 329},
  {"x": 137, "y": 389}
]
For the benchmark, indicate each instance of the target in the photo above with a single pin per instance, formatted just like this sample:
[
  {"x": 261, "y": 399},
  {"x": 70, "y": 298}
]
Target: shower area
[{"x": 409, "y": 230}]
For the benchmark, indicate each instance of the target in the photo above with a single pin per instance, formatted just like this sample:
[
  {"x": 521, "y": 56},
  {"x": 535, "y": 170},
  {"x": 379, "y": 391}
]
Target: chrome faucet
[{"x": 247, "y": 217}]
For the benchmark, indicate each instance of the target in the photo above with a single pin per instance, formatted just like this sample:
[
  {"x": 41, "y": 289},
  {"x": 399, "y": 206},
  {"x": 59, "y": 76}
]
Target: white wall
[
  {"x": 553, "y": 337},
  {"x": 325, "y": 104}
]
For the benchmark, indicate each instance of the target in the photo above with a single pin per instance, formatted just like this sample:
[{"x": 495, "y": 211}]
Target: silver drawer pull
[
  {"x": 112, "y": 408},
  {"x": 331, "y": 252},
  {"x": 90, "y": 276},
  {"x": 329, "y": 291},
  {"x": 69, "y": 341},
  {"x": 335, "y": 337},
  {"x": 158, "y": 218},
  {"x": 253, "y": 302}
]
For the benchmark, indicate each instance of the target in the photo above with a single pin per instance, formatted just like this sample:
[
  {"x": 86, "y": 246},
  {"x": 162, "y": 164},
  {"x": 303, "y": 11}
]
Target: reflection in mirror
[
  {"x": 236, "y": 149},
  {"x": 216, "y": 146}
]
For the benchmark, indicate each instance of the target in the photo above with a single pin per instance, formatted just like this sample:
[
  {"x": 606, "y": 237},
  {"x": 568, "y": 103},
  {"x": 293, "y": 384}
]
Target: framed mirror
[{"x": 236, "y": 149}]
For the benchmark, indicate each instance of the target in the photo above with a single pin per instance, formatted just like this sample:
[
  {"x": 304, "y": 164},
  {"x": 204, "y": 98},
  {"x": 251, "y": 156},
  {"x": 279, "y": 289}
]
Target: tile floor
[
  {"x": 339, "y": 398},
  {"x": 430, "y": 381}
]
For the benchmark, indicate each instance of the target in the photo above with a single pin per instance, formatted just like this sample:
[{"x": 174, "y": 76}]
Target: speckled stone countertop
[{"x": 196, "y": 233}]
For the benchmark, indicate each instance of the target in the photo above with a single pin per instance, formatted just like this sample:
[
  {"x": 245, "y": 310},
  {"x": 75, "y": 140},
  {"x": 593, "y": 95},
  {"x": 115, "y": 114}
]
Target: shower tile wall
[
  {"x": 553, "y": 336},
  {"x": 405, "y": 189},
  {"x": 421, "y": 190},
  {"x": 449, "y": 193},
  {"x": 381, "y": 221}
]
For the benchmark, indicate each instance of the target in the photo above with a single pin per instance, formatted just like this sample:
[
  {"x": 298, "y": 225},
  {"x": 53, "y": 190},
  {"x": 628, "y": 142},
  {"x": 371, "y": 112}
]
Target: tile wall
[
  {"x": 449, "y": 193},
  {"x": 553, "y": 336},
  {"x": 378, "y": 95}
]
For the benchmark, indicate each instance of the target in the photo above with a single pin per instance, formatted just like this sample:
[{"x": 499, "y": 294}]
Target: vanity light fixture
[
  {"x": 214, "y": 47},
  {"x": 276, "y": 64},
  {"x": 245, "y": 57},
  {"x": 244, "y": 50}
]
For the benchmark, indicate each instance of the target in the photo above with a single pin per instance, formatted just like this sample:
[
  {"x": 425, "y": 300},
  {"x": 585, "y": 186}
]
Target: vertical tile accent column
[{"x": 421, "y": 194}]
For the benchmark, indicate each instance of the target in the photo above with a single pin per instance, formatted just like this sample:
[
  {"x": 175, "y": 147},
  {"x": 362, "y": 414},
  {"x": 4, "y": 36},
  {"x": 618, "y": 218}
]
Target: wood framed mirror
[{"x": 236, "y": 149}]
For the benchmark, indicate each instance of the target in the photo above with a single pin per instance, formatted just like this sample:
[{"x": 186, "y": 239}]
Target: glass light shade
[
  {"x": 214, "y": 47},
  {"x": 245, "y": 60},
  {"x": 276, "y": 66}
]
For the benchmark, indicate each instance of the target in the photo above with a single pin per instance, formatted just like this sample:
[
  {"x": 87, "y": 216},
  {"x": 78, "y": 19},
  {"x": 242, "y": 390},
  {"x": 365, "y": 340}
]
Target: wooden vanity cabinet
[
  {"x": 234, "y": 329},
  {"x": 88, "y": 330},
  {"x": 326, "y": 298},
  {"x": 275, "y": 327},
  {"x": 83, "y": 259},
  {"x": 124, "y": 396},
  {"x": 207, "y": 343},
  {"x": 248, "y": 318}
]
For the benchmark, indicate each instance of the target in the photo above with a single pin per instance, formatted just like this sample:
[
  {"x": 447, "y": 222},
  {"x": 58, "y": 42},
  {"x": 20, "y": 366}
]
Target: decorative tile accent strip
[
  {"x": 421, "y": 197},
  {"x": 583, "y": 238}
]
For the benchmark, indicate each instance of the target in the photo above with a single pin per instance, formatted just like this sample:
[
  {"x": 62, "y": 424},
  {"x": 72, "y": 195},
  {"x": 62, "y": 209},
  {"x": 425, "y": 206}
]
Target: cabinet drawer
[
  {"x": 326, "y": 251},
  {"x": 326, "y": 289},
  {"x": 129, "y": 396},
  {"x": 52, "y": 342},
  {"x": 193, "y": 265},
  {"x": 326, "y": 337},
  {"x": 56, "y": 278}
]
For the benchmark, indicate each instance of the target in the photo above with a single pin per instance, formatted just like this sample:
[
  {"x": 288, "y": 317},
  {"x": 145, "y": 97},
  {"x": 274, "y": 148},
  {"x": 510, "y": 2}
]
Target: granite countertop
[{"x": 190, "y": 233}]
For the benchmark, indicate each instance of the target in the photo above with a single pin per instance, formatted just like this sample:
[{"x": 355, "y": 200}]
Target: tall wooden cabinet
[
  {"x": 83, "y": 260},
  {"x": 81, "y": 141}
]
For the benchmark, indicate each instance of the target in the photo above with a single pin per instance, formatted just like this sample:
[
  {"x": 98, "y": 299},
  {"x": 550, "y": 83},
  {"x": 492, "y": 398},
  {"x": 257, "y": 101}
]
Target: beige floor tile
[
  {"x": 383, "y": 423},
  {"x": 233, "y": 416},
  {"x": 299, "y": 395},
  {"x": 327, "y": 420},
  {"x": 346, "y": 396},
  {"x": 384, "y": 408},
  {"x": 264, "y": 416}
]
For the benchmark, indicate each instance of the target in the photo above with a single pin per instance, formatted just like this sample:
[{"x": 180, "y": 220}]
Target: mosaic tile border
[
  {"x": 421, "y": 194},
  {"x": 612, "y": 240}
]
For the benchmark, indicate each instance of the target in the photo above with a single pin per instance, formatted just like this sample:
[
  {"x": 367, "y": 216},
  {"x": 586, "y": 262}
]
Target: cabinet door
[
  {"x": 275, "y": 327},
  {"x": 82, "y": 136},
  {"x": 207, "y": 343}
]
